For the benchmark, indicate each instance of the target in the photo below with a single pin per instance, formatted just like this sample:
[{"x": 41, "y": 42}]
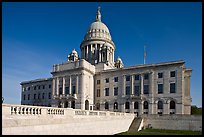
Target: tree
[{"x": 195, "y": 110}]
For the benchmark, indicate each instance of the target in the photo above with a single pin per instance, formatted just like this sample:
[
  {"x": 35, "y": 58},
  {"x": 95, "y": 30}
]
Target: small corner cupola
[
  {"x": 98, "y": 15},
  {"x": 73, "y": 56},
  {"x": 119, "y": 63}
]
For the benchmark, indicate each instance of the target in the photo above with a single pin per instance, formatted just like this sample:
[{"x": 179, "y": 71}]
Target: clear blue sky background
[{"x": 38, "y": 35}]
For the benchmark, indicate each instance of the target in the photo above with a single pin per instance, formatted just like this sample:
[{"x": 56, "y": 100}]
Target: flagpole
[{"x": 144, "y": 54}]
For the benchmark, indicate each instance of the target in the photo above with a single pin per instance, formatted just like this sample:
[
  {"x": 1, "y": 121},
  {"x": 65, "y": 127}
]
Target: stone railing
[{"x": 25, "y": 110}]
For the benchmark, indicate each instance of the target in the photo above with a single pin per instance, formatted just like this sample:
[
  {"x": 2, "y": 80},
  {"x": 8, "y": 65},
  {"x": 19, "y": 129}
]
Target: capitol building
[{"x": 98, "y": 81}]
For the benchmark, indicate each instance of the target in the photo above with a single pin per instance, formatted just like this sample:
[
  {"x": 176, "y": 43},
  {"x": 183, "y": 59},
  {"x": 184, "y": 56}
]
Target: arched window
[
  {"x": 127, "y": 105},
  {"x": 106, "y": 105},
  {"x": 136, "y": 105},
  {"x": 160, "y": 105},
  {"x": 115, "y": 105},
  {"x": 145, "y": 105},
  {"x": 172, "y": 105},
  {"x": 86, "y": 105}
]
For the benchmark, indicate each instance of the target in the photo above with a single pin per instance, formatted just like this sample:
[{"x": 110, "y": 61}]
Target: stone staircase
[{"x": 135, "y": 124}]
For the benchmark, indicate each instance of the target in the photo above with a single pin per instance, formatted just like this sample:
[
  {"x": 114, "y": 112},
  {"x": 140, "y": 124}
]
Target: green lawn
[{"x": 162, "y": 132}]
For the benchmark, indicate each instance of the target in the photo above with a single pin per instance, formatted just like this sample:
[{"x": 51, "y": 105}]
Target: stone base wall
[{"x": 173, "y": 122}]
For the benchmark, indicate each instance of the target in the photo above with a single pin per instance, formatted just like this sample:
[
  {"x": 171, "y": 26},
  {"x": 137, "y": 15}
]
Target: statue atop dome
[{"x": 98, "y": 15}]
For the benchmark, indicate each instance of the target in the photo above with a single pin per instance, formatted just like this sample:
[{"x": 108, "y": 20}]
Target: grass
[{"x": 162, "y": 132}]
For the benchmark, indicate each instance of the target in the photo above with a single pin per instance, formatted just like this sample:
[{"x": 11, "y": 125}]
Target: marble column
[
  {"x": 57, "y": 86},
  {"x": 70, "y": 85},
  {"x": 124, "y": 84},
  {"x": 77, "y": 84},
  {"x": 132, "y": 84},
  {"x": 132, "y": 107},
  {"x": 53, "y": 87},
  {"x": 99, "y": 55},
  {"x": 87, "y": 52},
  {"x": 141, "y": 84},
  {"x": 63, "y": 85}
]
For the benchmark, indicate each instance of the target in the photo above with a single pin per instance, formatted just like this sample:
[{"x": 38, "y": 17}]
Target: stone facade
[{"x": 97, "y": 82}]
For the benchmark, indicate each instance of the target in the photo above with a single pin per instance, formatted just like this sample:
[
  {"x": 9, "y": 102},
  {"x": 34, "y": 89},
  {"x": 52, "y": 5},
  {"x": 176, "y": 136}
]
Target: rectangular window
[
  {"x": 98, "y": 82},
  {"x": 128, "y": 90},
  {"x": 137, "y": 90},
  {"x": 146, "y": 76},
  {"x": 43, "y": 86},
  {"x": 49, "y": 86},
  {"x": 137, "y": 77},
  {"x": 34, "y": 96},
  {"x": 28, "y": 96},
  {"x": 66, "y": 90},
  {"x": 115, "y": 91},
  {"x": 173, "y": 73},
  {"x": 73, "y": 89},
  {"x": 107, "y": 80},
  {"x": 98, "y": 93},
  {"x": 24, "y": 97},
  {"x": 49, "y": 96},
  {"x": 172, "y": 87},
  {"x": 39, "y": 96},
  {"x": 35, "y": 88},
  {"x": 43, "y": 95},
  {"x": 38, "y": 87},
  {"x": 115, "y": 79},
  {"x": 60, "y": 90},
  {"x": 160, "y": 75},
  {"x": 127, "y": 78},
  {"x": 106, "y": 91},
  {"x": 146, "y": 89},
  {"x": 160, "y": 88},
  {"x": 28, "y": 88}
]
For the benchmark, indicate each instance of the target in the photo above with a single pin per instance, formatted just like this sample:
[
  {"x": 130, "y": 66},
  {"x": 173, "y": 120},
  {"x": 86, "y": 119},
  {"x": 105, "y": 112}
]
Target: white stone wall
[
  {"x": 61, "y": 121},
  {"x": 173, "y": 122}
]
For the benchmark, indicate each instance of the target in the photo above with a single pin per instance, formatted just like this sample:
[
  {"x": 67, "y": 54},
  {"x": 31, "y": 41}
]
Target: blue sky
[{"x": 37, "y": 35}]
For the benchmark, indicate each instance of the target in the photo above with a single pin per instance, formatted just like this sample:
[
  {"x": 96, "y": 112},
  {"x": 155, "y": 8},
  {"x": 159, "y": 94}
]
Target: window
[
  {"x": 73, "y": 89},
  {"x": 160, "y": 88},
  {"x": 172, "y": 73},
  {"x": 38, "y": 87},
  {"x": 106, "y": 91},
  {"x": 137, "y": 77},
  {"x": 43, "y": 95},
  {"x": 115, "y": 105},
  {"x": 145, "y": 105},
  {"x": 146, "y": 89},
  {"x": 137, "y": 91},
  {"x": 39, "y": 96},
  {"x": 115, "y": 79},
  {"x": 43, "y": 86},
  {"x": 127, "y": 105},
  {"x": 98, "y": 81},
  {"x": 28, "y": 96},
  {"x": 172, "y": 88},
  {"x": 172, "y": 105},
  {"x": 115, "y": 91},
  {"x": 128, "y": 90},
  {"x": 107, "y": 80},
  {"x": 34, "y": 96},
  {"x": 49, "y": 86},
  {"x": 24, "y": 97},
  {"x": 160, "y": 75},
  {"x": 136, "y": 105},
  {"x": 98, "y": 93},
  {"x": 35, "y": 88},
  {"x": 60, "y": 90},
  {"x": 66, "y": 90},
  {"x": 146, "y": 76},
  {"x": 49, "y": 96},
  {"x": 160, "y": 105},
  {"x": 127, "y": 78},
  {"x": 28, "y": 88},
  {"x": 106, "y": 105}
]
